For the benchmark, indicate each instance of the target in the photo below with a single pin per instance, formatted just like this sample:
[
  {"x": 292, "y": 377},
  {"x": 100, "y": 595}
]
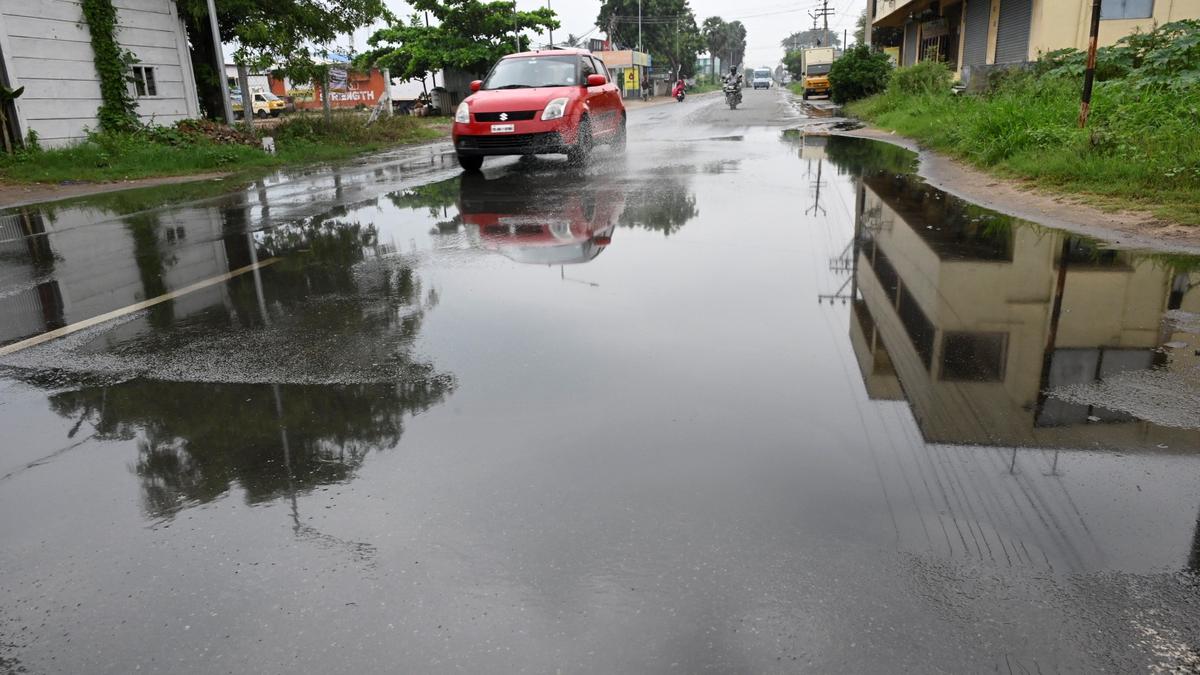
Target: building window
[
  {"x": 974, "y": 357},
  {"x": 1126, "y": 9},
  {"x": 143, "y": 81}
]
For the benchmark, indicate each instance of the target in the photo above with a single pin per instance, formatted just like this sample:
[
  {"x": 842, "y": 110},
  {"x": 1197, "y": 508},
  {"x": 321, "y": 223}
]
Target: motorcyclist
[
  {"x": 733, "y": 80},
  {"x": 678, "y": 89}
]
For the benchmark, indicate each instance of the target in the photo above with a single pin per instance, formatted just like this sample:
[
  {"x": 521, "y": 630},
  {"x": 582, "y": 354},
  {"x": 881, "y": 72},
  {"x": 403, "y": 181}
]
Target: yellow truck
[{"x": 815, "y": 63}]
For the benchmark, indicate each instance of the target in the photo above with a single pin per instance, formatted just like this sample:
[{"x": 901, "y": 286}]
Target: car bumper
[{"x": 531, "y": 137}]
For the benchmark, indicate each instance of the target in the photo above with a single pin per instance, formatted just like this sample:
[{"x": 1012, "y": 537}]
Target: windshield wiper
[{"x": 513, "y": 86}]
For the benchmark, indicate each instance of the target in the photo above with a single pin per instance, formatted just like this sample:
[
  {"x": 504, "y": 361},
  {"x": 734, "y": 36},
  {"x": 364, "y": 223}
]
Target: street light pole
[
  {"x": 516, "y": 28},
  {"x": 219, "y": 53},
  {"x": 551, "y": 30}
]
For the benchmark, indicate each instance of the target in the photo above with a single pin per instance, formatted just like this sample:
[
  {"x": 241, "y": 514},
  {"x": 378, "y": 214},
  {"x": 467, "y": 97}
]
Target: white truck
[
  {"x": 762, "y": 78},
  {"x": 815, "y": 63}
]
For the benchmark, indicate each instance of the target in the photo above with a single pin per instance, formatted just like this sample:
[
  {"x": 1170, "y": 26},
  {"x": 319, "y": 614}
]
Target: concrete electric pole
[{"x": 219, "y": 55}]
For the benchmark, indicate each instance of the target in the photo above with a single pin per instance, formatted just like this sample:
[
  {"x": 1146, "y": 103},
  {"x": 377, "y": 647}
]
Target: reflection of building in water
[
  {"x": 71, "y": 264},
  {"x": 972, "y": 317}
]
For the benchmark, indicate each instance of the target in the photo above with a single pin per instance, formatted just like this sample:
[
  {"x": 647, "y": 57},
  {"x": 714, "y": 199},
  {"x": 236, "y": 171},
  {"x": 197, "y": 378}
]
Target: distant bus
[{"x": 762, "y": 78}]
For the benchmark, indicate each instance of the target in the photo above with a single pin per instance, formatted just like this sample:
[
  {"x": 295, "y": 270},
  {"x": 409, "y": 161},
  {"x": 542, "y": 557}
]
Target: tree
[
  {"x": 288, "y": 34},
  {"x": 858, "y": 74},
  {"x": 668, "y": 33},
  {"x": 715, "y": 38},
  {"x": 737, "y": 42},
  {"x": 812, "y": 37},
  {"x": 794, "y": 64},
  {"x": 860, "y": 29},
  {"x": 469, "y": 35}
]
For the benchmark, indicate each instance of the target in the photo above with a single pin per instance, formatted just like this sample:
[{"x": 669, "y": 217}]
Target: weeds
[
  {"x": 197, "y": 146},
  {"x": 1139, "y": 150}
]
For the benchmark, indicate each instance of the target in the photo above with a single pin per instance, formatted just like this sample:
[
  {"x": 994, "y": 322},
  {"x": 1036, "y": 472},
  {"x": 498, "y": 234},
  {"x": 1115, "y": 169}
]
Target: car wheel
[
  {"x": 583, "y": 143},
  {"x": 622, "y": 137},
  {"x": 261, "y": 114},
  {"x": 470, "y": 163},
  {"x": 274, "y": 113}
]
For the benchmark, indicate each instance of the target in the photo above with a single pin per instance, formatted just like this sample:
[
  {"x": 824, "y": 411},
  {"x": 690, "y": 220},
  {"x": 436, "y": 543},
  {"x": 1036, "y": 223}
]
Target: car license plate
[{"x": 503, "y": 128}]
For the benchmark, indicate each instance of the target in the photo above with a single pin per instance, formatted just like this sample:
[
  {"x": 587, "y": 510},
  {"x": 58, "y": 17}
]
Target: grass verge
[
  {"x": 197, "y": 147},
  {"x": 1139, "y": 151}
]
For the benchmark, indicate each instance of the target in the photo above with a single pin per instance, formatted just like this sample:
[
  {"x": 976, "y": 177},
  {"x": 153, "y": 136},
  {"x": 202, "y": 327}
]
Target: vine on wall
[{"x": 118, "y": 107}]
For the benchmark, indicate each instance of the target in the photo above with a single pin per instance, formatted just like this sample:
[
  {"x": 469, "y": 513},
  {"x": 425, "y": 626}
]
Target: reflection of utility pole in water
[
  {"x": 816, "y": 188},
  {"x": 1052, "y": 334},
  {"x": 361, "y": 550},
  {"x": 841, "y": 263},
  {"x": 562, "y": 274}
]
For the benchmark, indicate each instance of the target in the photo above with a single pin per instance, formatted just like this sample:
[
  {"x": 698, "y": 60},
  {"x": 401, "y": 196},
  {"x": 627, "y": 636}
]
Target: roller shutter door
[
  {"x": 910, "y": 43},
  {"x": 1012, "y": 35},
  {"x": 976, "y": 37}
]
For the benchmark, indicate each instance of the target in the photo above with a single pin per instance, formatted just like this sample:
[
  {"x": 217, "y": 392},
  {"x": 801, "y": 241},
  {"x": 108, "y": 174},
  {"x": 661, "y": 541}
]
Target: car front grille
[
  {"x": 515, "y": 142},
  {"x": 519, "y": 116}
]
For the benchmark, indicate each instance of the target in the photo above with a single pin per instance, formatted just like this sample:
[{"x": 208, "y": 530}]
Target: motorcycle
[
  {"x": 733, "y": 94},
  {"x": 679, "y": 93}
]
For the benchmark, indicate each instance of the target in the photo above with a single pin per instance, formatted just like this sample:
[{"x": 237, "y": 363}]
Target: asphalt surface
[{"x": 742, "y": 400}]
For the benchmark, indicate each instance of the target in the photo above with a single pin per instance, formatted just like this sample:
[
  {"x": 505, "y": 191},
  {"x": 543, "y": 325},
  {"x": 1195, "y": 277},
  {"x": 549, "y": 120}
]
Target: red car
[{"x": 555, "y": 101}]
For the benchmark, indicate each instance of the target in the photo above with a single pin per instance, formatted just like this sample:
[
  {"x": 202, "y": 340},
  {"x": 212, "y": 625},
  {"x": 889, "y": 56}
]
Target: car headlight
[
  {"x": 555, "y": 109},
  {"x": 463, "y": 114}
]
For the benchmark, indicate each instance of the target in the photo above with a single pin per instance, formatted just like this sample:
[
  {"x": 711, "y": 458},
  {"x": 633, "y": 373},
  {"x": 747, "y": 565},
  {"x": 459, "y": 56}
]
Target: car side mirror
[
  {"x": 475, "y": 85},
  {"x": 595, "y": 80}
]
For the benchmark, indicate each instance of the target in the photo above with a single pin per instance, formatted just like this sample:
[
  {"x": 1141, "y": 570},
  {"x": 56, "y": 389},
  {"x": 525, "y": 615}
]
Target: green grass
[
  {"x": 175, "y": 151},
  {"x": 703, "y": 88},
  {"x": 1140, "y": 149}
]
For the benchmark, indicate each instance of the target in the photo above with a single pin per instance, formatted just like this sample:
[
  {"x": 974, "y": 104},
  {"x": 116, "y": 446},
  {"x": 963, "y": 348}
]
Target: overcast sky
[{"x": 767, "y": 21}]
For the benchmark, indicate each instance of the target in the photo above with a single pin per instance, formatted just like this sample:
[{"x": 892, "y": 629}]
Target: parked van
[{"x": 264, "y": 104}]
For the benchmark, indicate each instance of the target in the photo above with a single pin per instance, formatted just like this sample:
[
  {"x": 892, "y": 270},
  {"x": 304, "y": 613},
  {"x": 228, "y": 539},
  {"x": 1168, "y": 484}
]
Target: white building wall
[{"x": 47, "y": 49}]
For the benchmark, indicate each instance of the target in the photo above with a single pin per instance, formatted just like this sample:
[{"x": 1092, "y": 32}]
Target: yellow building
[{"x": 973, "y": 35}]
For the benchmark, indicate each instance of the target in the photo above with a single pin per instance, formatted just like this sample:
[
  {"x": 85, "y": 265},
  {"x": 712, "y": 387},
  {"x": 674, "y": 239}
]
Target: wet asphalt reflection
[{"x": 744, "y": 400}]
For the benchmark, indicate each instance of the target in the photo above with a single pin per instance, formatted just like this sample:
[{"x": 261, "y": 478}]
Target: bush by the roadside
[
  {"x": 859, "y": 73},
  {"x": 1139, "y": 149},
  {"x": 201, "y": 146},
  {"x": 927, "y": 77}
]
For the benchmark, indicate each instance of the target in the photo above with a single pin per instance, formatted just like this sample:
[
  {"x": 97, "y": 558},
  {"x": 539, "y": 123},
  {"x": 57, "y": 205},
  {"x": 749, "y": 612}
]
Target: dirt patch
[
  {"x": 1123, "y": 229},
  {"x": 21, "y": 195}
]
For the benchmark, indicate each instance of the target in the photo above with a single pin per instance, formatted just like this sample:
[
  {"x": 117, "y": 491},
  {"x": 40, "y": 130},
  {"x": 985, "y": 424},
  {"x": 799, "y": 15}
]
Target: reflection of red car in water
[{"x": 569, "y": 222}]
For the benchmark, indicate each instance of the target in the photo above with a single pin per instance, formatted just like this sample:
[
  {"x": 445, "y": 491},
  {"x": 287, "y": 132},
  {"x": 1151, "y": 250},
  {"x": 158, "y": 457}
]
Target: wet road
[{"x": 743, "y": 400}]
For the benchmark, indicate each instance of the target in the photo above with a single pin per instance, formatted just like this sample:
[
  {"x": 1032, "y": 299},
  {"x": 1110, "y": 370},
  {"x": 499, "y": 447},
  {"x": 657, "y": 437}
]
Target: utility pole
[
  {"x": 326, "y": 102},
  {"x": 247, "y": 97},
  {"x": 551, "y": 30},
  {"x": 432, "y": 74},
  {"x": 219, "y": 54},
  {"x": 639, "y": 25},
  {"x": 516, "y": 28},
  {"x": 1089, "y": 75},
  {"x": 824, "y": 13}
]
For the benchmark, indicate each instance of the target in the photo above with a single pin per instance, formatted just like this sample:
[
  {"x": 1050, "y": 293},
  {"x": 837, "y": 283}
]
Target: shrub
[
  {"x": 858, "y": 74},
  {"x": 927, "y": 77}
]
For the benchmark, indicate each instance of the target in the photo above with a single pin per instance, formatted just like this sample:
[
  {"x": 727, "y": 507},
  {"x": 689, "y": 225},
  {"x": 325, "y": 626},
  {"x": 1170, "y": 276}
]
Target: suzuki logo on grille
[{"x": 503, "y": 116}]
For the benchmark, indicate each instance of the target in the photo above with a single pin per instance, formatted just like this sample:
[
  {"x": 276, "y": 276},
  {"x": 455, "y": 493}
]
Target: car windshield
[
  {"x": 819, "y": 69},
  {"x": 534, "y": 71},
  {"x": 762, "y": 73}
]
